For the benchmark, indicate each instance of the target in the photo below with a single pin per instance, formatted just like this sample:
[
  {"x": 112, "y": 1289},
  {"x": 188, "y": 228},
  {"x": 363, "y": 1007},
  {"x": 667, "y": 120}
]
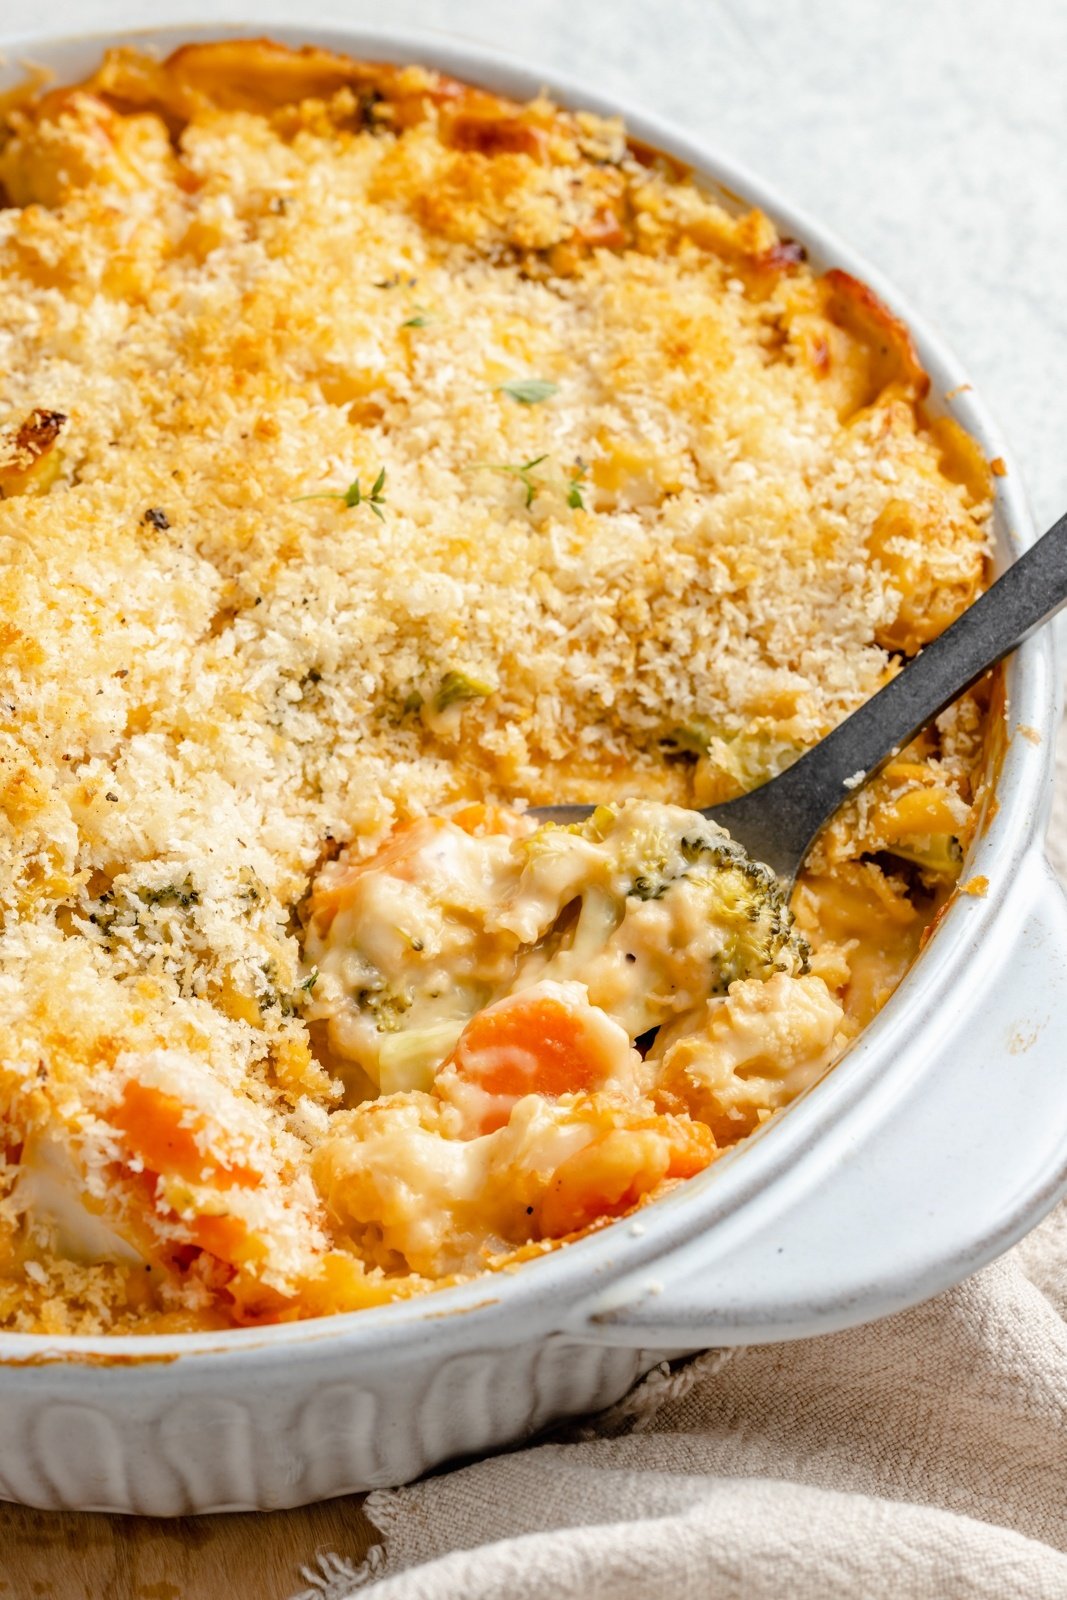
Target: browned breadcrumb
[{"x": 227, "y": 292}]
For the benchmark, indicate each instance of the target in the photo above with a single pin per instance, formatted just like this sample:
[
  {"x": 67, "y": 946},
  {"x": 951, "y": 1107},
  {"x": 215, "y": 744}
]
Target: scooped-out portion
[
  {"x": 558, "y": 1021},
  {"x": 526, "y": 1031}
]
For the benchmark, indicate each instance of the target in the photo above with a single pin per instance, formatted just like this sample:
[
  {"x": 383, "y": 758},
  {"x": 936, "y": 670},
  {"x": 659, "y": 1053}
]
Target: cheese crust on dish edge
[{"x": 378, "y": 458}]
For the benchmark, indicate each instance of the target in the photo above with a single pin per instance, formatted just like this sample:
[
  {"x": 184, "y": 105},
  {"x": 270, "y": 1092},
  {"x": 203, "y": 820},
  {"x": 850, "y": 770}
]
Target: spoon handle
[{"x": 807, "y": 794}]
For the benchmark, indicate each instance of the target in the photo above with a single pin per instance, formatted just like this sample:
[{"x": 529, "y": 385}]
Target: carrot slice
[
  {"x": 482, "y": 817},
  {"x": 397, "y": 855},
  {"x": 534, "y": 1044},
  {"x": 155, "y": 1126},
  {"x": 611, "y": 1175},
  {"x": 226, "y": 1237}
]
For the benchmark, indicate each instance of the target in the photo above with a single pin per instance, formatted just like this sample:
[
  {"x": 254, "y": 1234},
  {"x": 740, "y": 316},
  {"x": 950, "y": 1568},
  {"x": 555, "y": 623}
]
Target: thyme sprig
[
  {"x": 528, "y": 391},
  {"x": 353, "y": 495},
  {"x": 521, "y": 470},
  {"x": 574, "y": 487}
]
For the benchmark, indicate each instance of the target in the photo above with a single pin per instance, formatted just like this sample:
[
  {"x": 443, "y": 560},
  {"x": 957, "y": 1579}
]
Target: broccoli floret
[
  {"x": 746, "y": 901},
  {"x": 181, "y": 894},
  {"x": 456, "y": 687},
  {"x": 385, "y": 1005},
  {"x": 741, "y": 759},
  {"x": 658, "y": 849},
  {"x": 643, "y": 888}
]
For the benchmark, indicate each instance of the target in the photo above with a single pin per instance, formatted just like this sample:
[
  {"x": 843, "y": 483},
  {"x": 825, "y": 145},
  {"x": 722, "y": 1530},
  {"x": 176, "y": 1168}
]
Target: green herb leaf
[
  {"x": 310, "y": 981},
  {"x": 529, "y": 391},
  {"x": 171, "y": 894},
  {"x": 417, "y": 322},
  {"x": 574, "y": 488}
]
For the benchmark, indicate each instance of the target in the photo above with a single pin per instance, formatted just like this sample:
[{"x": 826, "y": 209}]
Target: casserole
[
  {"x": 153, "y": 1458},
  {"x": 313, "y": 1064}
]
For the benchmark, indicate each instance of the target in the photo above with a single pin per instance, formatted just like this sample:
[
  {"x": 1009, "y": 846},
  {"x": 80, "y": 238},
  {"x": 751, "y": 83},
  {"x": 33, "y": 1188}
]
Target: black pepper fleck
[{"x": 157, "y": 518}]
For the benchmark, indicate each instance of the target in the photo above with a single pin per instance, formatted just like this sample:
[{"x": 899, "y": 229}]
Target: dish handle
[{"x": 897, "y": 1203}]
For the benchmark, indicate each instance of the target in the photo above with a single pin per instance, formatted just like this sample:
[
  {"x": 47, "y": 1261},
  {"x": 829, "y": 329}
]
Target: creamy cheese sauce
[{"x": 502, "y": 973}]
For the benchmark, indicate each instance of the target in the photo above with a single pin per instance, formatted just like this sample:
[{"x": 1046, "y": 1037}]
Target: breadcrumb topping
[{"x": 369, "y": 444}]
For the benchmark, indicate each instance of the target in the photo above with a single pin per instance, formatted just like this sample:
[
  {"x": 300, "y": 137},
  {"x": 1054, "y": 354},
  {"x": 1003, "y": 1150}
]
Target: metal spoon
[{"x": 777, "y": 822}]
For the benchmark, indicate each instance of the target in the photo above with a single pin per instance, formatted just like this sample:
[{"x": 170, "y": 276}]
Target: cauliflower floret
[
  {"x": 749, "y": 1054},
  {"x": 411, "y": 1194}
]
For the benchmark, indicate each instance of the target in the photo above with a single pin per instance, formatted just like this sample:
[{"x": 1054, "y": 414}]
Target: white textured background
[{"x": 932, "y": 134}]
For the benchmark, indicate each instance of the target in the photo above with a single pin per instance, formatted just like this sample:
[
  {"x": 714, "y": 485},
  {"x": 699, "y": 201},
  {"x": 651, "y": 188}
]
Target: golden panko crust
[{"x": 645, "y": 506}]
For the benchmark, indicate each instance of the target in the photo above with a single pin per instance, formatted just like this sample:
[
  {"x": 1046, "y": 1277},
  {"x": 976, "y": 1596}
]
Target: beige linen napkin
[{"x": 922, "y": 1458}]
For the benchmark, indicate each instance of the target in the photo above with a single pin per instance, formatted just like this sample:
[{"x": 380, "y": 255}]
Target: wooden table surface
[{"x": 48, "y": 1555}]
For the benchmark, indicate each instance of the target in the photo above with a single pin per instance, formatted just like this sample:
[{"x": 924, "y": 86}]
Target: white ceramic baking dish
[{"x": 933, "y": 1146}]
